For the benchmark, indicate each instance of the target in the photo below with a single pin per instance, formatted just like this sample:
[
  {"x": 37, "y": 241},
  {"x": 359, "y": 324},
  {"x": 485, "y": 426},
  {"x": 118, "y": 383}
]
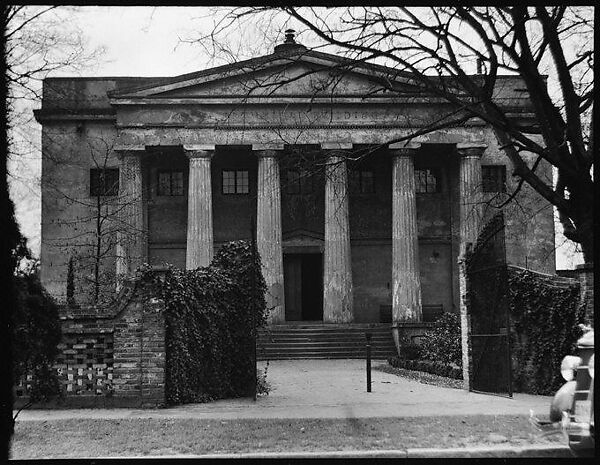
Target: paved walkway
[{"x": 330, "y": 389}]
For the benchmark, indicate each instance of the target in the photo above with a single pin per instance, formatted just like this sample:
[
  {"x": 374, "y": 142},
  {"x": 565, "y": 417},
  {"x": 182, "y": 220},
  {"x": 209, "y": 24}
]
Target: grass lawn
[{"x": 135, "y": 437}]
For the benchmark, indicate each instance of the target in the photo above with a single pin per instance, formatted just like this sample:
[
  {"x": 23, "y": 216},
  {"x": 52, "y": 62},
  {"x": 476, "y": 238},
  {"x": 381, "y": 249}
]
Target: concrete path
[{"x": 329, "y": 389}]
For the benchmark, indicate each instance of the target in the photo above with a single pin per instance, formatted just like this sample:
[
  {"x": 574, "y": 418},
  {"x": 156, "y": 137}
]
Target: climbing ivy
[
  {"x": 211, "y": 316},
  {"x": 545, "y": 320}
]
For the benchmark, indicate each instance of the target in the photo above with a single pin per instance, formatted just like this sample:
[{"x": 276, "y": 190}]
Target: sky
[{"x": 143, "y": 41}]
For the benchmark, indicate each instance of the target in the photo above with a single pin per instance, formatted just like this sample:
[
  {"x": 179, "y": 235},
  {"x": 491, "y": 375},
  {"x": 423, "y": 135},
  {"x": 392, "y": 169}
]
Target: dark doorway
[{"x": 303, "y": 278}]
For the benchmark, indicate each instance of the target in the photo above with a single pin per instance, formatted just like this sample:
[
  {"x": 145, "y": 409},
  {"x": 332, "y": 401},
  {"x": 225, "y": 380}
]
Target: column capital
[
  {"x": 336, "y": 145},
  {"x": 471, "y": 149},
  {"x": 129, "y": 150},
  {"x": 267, "y": 147},
  {"x": 403, "y": 149},
  {"x": 199, "y": 151}
]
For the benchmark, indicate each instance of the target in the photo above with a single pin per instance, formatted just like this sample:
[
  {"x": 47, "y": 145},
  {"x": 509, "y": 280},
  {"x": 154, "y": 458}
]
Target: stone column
[
  {"x": 337, "y": 279},
  {"x": 268, "y": 228},
  {"x": 470, "y": 192},
  {"x": 131, "y": 236},
  {"x": 406, "y": 280},
  {"x": 586, "y": 290},
  {"x": 470, "y": 219},
  {"x": 199, "y": 250}
]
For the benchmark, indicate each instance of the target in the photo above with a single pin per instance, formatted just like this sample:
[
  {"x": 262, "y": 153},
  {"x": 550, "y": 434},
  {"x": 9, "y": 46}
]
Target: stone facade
[{"x": 346, "y": 223}]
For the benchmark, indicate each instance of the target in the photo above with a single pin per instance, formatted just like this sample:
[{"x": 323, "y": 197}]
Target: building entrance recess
[{"x": 303, "y": 278}]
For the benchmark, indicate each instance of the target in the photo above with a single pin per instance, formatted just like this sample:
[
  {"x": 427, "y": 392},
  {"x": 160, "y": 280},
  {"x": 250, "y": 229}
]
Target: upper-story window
[
  {"x": 104, "y": 182},
  {"x": 298, "y": 182},
  {"x": 493, "y": 178},
  {"x": 361, "y": 181},
  {"x": 235, "y": 182},
  {"x": 170, "y": 183},
  {"x": 427, "y": 181}
]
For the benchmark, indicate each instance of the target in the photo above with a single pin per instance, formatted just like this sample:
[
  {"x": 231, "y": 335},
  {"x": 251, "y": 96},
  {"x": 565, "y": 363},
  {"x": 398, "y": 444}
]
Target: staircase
[{"x": 319, "y": 340}]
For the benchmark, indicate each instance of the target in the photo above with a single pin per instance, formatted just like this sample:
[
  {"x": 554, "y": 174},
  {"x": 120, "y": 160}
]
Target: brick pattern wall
[
  {"x": 85, "y": 365},
  {"x": 108, "y": 360}
]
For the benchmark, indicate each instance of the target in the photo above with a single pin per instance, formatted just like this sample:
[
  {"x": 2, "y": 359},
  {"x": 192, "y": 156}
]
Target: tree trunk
[{"x": 581, "y": 229}]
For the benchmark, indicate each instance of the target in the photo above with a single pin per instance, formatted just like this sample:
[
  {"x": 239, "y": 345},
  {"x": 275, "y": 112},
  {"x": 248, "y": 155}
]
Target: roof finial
[
  {"x": 290, "y": 43},
  {"x": 289, "y": 36}
]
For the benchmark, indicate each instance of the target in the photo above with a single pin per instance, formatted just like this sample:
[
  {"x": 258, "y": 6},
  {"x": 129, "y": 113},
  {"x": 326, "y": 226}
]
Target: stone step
[
  {"x": 365, "y": 327},
  {"x": 331, "y": 339},
  {"x": 325, "y": 332},
  {"x": 320, "y": 357},
  {"x": 318, "y": 340},
  {"x": 326, "y": 341},
  {"x": 324, "y": 354},
  {"x": 325, "y": 345}
]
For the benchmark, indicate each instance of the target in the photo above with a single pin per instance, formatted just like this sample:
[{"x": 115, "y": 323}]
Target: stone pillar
[
  {"x": 131, "y": 236},
  {"x": 471, "y": 208},
  {"x": 199, "y": 250},
  {"x": 268, "y": 229},
  {"x": 470, "y": 219},
  {"x": 406, "y": 280},
  {"x": 337, "y": 279},
  {"x": 586, "y": 290}
]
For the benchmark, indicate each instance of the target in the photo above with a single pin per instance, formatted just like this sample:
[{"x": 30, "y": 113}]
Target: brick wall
[
  {"x": 139, "y": 353},
  {"x": 111, "y": 360}
]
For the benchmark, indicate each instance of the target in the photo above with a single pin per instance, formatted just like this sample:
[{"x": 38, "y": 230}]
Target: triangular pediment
[{"x": 306, "y": 74}]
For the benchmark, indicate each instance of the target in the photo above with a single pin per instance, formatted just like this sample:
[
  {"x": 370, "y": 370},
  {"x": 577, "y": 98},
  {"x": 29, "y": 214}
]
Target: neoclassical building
[{"x": 353, "y": 222}]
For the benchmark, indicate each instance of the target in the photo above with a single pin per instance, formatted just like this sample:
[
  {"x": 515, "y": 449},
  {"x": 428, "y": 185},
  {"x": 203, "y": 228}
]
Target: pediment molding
[{"x": 191, "y": 85}]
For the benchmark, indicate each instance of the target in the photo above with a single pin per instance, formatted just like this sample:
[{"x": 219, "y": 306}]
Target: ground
[{"x": 314, "y": 406}]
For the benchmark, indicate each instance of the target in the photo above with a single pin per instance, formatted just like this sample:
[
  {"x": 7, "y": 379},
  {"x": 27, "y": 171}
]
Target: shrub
[
  {"x": 442, "y": 343},
  {"x": 427, "y": 366},
  {"x": 263, "y": 387},
  {"x": 36, "y": 334},
  {"x": 70, "y": 284},
  {"x": 409, "y": 350}
]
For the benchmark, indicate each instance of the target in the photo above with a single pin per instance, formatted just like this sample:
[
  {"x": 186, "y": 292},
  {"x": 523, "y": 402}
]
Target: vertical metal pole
[
  {"x": 253, "y": 296},
  {"x": 368, "y": 335},
  {"x": 508, "y": 328}
]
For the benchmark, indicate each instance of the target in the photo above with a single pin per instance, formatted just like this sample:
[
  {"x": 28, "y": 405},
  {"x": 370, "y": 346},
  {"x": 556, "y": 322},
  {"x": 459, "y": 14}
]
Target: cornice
[{"x": 46, "y": 115}]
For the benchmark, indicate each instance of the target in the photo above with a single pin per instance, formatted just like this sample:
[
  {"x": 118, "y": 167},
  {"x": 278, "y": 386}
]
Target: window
[
  {"x": 104, "y": 181},
  {"x": 235, "y": 182},
  {"x": 427, "y": 181},
  {"x": 298, "y": 182},
  {"x": 493, "y": 178},
  {"x": 170, "y": 183},
  {"x": 361, "y": 182}
]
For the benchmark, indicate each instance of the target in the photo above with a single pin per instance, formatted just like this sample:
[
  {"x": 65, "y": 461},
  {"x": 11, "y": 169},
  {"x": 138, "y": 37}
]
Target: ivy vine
[
  {"x": 545, "y": 321},
  {"x": 211, "y": 316}
]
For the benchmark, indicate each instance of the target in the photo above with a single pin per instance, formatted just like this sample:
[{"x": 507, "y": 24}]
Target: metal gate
[{"x": 487, "y": 303}]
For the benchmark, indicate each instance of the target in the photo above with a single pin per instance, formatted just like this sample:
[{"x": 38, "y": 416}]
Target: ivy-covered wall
[
  {"x": 174, "y": 337},
  {"x": 545, "y": 313},
  {"x": 211, "y": 316}
]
